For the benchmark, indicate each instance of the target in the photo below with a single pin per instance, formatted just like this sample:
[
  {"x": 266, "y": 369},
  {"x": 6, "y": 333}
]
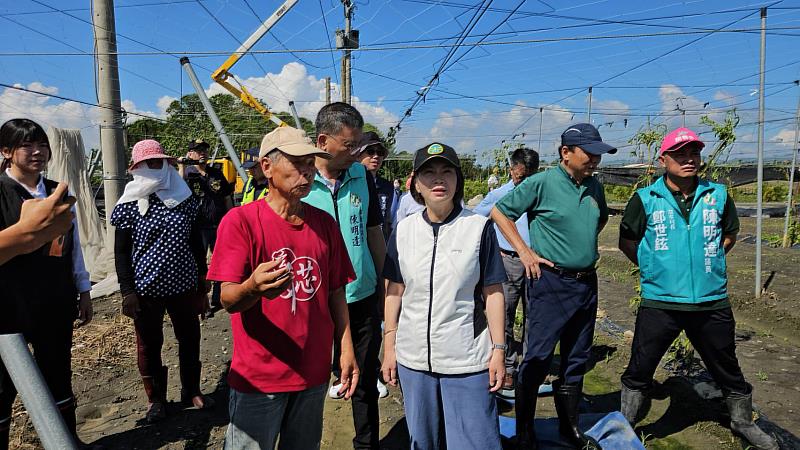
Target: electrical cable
[
  {"x": 330, "y": 45},
  {"x": 222, "y": 25},
  {"x": 250, "y": 7}
]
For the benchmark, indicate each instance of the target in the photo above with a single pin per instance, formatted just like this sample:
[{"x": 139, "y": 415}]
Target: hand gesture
[
  {"x": 497, "y": 370},
  {"x": 530, "y": 260},
  {"x": 349, "y": 377},
  {"x": 50, "y": 217},
  {"x": 268, "y": 280}
]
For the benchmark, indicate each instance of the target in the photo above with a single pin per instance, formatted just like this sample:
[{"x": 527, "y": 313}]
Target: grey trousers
[{"x": 514, "y": 290}]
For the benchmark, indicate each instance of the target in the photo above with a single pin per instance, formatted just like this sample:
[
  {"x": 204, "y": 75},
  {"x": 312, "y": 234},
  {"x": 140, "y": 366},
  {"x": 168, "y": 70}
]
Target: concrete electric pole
[
  {"x": 347, "y": 40},
  {"x": 111, "y": 120}
]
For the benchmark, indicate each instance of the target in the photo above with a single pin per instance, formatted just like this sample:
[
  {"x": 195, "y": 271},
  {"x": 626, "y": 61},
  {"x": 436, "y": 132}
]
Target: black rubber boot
[
  {"x": 567, "y": 398},
  {"x": 740, "y": 407},
  {"x": 5, "y": 428},
  {"x": 634, "y": 404},
  {"x": 525, "y": 410}
]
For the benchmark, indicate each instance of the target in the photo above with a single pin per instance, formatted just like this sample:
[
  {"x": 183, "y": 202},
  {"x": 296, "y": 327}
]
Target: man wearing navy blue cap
[
  {"x": 566, "y": 210},
  {"x": 256, "y": 186}
]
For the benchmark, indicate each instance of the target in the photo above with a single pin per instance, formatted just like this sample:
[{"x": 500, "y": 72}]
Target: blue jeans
[
  {"x": 258, "y": 419},
  {"x": 462, "y": 402}
]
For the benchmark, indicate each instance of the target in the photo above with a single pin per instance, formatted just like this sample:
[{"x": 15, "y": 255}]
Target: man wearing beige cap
[{"x": 283, "y": 267}]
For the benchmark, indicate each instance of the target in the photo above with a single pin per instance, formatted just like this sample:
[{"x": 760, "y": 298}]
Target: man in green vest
[
  {"x": 678, "y": 231},
  {"x": 347, "y": 192},
  {"x": 256, "y": 186}
]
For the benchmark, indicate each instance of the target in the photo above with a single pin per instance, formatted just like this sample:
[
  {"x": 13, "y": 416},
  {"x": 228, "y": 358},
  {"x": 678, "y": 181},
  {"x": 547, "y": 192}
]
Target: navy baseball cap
[
  {"x": 250, "y": 163},
  {"x": 586, "y": 136}
]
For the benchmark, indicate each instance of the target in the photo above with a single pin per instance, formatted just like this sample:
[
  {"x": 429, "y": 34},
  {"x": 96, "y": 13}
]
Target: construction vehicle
[{"x": 225, "y": 78}]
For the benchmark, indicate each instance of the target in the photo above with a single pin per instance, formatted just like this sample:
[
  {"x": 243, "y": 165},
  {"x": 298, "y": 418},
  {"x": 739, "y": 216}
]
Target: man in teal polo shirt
[
  {"x": 347, "y": 192},
  {"x": 677, "y": 231},
  {"x": 566, "y": 210}
]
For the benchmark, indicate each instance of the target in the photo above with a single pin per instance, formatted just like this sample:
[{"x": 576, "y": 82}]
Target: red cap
[{"x": 678, "y": 138}]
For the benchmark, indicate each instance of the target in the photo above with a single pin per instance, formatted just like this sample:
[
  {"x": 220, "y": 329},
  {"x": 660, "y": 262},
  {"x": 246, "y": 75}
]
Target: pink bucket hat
[
  {"x": 147, "y": 149},
  {"x": 677, "y": 138}
]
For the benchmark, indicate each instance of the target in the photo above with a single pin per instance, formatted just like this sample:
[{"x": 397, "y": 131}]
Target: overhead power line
[{"x": 380, "y": 48}]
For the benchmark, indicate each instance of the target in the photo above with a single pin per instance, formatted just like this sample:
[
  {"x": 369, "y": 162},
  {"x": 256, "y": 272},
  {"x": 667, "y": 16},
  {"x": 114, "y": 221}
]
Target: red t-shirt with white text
[{"x": 275, "y": 350}]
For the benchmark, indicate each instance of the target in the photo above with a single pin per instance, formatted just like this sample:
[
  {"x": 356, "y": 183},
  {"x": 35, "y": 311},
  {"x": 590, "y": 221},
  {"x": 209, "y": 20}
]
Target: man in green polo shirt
[
  {"x": 566, "y": 210},
  {"x": 677, "y": 231}
]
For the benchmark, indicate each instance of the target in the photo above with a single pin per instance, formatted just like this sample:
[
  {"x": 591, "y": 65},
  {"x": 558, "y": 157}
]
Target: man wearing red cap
[{"x": 677, "y": 231}]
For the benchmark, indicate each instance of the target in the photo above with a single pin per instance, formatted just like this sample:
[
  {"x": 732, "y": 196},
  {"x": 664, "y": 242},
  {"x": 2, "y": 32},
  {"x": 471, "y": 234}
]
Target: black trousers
[
  {"x": 149, "y": 326},
  {"x": 365, "y": 328},
  {"x": 710, "y": 332}
]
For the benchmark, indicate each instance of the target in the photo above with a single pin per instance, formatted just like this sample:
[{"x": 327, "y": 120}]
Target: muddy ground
[{"x": 112, "y": 402}]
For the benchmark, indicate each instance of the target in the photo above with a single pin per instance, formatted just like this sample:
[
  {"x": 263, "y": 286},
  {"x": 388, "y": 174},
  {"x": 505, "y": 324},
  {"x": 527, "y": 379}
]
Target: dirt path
[{"x": 112, "y": 402}]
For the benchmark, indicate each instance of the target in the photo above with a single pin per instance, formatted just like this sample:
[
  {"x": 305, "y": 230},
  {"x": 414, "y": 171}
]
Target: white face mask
[{"x": 164, "y": 182}]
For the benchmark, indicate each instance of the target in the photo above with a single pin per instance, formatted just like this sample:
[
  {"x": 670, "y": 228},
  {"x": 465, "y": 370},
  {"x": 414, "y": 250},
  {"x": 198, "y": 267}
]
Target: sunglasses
[{"x": 375, "y": 149}]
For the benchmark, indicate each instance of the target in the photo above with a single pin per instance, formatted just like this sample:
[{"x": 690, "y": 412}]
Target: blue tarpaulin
[{"x": 611, "y": 430}]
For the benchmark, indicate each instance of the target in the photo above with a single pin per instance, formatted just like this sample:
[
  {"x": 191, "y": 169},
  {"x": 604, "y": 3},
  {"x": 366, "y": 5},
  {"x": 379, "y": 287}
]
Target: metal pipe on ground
[{"x": 38, "y": 401}]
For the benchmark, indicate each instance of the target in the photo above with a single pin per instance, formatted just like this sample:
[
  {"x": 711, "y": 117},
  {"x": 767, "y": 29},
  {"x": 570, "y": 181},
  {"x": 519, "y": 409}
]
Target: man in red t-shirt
[{"x": 283, "y": 267}]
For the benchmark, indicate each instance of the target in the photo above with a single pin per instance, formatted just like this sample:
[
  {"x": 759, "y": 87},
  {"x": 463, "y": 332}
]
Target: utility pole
[
  {"x": 541, "y": 118},
  {"x": 111, "y": 121},
  {"x": 759, "y": 194},
  {"x": 791, "y": 174},
  {"x": 589, "y": 112},
  {"x": 327, "y": 90},
  {"x": 346, "y": 41}
]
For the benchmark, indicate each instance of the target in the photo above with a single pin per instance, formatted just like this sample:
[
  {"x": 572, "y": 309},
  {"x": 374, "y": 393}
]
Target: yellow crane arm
[{"x": 222, "y": 74}]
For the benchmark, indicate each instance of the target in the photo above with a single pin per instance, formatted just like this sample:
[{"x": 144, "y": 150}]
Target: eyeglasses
[{"x": 351, "y": 147}]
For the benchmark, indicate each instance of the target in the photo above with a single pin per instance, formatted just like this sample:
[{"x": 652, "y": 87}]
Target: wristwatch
[{"x": 502, "y": 347}]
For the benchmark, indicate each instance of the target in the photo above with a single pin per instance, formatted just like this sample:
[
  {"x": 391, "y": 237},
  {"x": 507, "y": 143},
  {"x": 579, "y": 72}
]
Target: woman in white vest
[{"x": 443, "y": 333}]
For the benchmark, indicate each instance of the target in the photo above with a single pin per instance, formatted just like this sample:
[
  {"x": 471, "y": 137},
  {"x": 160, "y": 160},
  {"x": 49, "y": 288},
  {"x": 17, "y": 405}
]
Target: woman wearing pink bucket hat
[{"x": 161, "y": 267}]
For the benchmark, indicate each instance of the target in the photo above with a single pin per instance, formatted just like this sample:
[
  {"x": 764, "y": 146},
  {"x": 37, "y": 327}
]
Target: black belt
[
  {"x": 576, "y": 274},
  {"x": 509, "y": 253}
]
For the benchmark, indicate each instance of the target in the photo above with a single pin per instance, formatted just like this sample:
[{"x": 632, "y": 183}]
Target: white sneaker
[
  {"x": 333, "y": 392},
  {"x": 382, "y": 390}
]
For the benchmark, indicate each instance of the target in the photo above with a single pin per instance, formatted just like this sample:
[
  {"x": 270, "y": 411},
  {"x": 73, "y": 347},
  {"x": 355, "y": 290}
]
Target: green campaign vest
[
  {"x": 683, "y": 262},
  {"x": 350, "y": 209}
]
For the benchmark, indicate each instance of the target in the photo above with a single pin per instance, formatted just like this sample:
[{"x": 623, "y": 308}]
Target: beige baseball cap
[{"x": 291, "y": 141}]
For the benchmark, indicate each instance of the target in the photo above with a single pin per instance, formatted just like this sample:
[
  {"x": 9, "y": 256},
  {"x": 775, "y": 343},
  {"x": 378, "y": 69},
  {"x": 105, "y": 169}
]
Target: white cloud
[
  {"x": 614, "y": 108},
  {"x": 783, "y": 138},
  {"x": 163, "y": 103},
  {"x": 308, "y": 93},
  {"x": 480, "y": 131},
  {"x": 49, "y": 112}
]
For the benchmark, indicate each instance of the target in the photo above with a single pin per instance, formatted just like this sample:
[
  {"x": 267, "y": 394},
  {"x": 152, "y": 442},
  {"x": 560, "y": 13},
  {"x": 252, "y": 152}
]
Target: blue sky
[{"x": 644, "y": 59}]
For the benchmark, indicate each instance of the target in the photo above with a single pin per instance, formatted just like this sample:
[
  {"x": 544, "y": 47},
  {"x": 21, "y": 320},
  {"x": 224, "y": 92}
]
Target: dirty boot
[
  {"x": 156, "y": 389},
  {"x": 525, "y": 410},
  {"x": 634, "y": 405},
  {"x": 740, "y": 407},
  {"x": 567, "y": 397}
]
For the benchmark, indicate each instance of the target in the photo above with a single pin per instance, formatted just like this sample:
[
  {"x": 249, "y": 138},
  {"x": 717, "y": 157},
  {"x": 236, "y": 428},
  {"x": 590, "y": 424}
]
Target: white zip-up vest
[{"x": 442, "y": 327}]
